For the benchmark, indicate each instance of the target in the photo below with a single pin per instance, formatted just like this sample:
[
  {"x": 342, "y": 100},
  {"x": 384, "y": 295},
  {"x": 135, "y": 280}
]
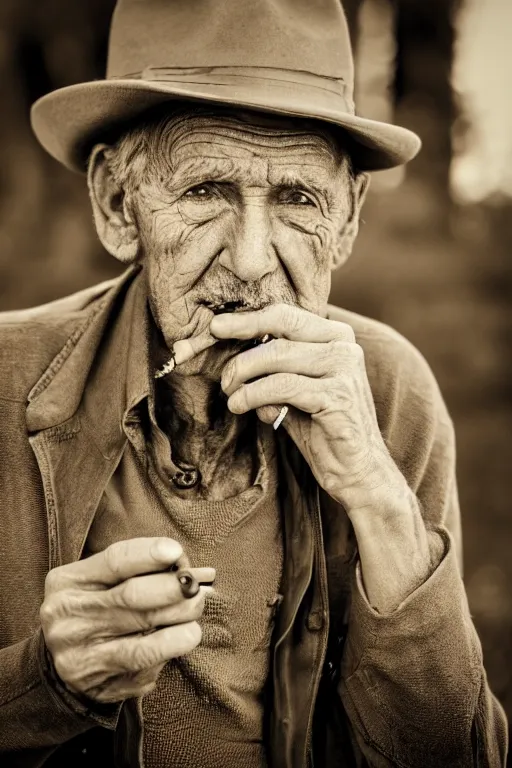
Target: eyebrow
[
  {"x": 309, "y": 181},
  {"x": 199, "y": 169},
  {"x": 223, "y": 170}
]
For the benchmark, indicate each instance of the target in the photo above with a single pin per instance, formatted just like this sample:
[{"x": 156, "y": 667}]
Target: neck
[{"x": 204, "y": 434}]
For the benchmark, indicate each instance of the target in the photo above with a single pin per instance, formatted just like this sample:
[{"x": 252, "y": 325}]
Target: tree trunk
[
  {"x": 423, "y": 94},
  {"x": 351, "y": 8}
]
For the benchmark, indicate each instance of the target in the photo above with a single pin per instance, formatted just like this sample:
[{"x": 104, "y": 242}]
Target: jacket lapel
[
  {"x": 75, "y": 474},
  {"x": 74, "y": 418}
]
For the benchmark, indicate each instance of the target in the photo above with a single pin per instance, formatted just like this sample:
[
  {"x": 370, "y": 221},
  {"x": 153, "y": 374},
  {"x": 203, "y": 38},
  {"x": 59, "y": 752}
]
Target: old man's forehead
[{"x": 168, "y": 128}]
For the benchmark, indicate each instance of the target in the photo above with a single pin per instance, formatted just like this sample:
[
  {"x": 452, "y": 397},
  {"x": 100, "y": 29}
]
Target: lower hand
[{"x": 113, "y": 620}]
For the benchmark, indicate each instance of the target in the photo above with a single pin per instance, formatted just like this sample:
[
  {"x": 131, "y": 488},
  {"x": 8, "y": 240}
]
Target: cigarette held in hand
[{"x": 189, "y": 585}]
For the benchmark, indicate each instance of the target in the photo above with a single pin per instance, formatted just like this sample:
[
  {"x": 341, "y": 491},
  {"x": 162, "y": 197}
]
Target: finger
[
  {"x": 120, "y": 561},
  {"x": 145, "y": 593},
  {"x": 304, "y": 393},
  {"x": 283, "y": 356},
  {"x": 117, "y": 622},
  {"x": 120, "y": 692},
  {"x": 133, "y": 653},
  {"x": 281, "y": 320},
  {"x": 125, "y": 686},
  {"x": 181, "y": 613},
  {"x": 186, "y": 349}
]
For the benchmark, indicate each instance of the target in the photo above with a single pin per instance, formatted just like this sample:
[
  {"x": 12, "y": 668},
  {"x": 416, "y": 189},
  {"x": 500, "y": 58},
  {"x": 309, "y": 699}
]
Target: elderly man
[{"x": 230, "y": 523}]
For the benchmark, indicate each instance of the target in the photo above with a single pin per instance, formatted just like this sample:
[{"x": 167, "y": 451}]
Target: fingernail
[{"x": 183, "y": 351}]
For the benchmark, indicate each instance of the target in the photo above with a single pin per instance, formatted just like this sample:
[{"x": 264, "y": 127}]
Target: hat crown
[
  {"x": 293, "y": 35},
  {"x": 285, "y": 57}
]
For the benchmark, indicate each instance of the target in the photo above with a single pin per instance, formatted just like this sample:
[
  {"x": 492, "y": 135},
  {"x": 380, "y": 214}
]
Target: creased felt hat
[{"x": 290, "y": 57}]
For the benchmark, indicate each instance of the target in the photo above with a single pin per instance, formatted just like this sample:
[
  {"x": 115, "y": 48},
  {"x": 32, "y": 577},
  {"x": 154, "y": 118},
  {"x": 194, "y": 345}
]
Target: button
[
  {"x": 316, "y": 620},
  {"x": 186, "y": 478}
]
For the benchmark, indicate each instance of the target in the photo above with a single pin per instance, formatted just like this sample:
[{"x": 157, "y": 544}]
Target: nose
[{"x": 249, "y": 253}]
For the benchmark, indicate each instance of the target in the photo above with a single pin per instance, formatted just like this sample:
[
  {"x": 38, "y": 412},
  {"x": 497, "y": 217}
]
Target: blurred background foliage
[{"x": 432, "y": 258}]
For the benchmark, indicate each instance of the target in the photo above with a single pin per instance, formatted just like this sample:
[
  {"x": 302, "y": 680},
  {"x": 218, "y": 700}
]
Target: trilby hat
[{"x": 289, "y": 57}]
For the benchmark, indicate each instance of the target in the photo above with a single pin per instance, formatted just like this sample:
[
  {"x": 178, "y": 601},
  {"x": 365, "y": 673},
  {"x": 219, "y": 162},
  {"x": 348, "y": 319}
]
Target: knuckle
[
  {"x": 338, "y": 349},
  {"x": 346, "y": 332},
  {"x": 112, "y": 555},
  {"x": 142, "y": 621},
  {"x": 358, "y": 352},
  {"x": 127, "y": 594},
  {"x": 292, "y": 319},
  {"x": 330, "y": 483},
  {"x": 54, "y": 635},
  {"x": 54, "y": 580},
  {"x": 286, "y": 385},
  {"x": 67, "y": 666},
  {"x": 141, "y": 656},
  {"x": 47, "y": 612}
]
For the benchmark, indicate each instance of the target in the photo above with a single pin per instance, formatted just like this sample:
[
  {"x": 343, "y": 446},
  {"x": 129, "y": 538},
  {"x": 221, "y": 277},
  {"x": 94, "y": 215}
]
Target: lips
[{"x": 227, "y": 306}]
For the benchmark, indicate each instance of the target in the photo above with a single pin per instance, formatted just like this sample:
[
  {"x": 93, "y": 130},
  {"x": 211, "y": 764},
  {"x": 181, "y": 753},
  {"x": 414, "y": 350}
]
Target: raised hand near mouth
[{"x": 316, "y": 366}]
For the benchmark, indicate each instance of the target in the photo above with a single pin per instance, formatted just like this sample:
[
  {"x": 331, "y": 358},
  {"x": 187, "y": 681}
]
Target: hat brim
[{"x": 67, "y": 122}]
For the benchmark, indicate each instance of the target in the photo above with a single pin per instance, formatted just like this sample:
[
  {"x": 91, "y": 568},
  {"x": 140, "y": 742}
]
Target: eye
[
  {"x": 200, "y": 192},
  {"x": 295, "y": 196}
]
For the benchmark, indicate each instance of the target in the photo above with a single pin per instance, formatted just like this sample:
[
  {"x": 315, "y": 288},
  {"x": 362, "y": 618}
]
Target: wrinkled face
[{"x": 239, "y": 212}]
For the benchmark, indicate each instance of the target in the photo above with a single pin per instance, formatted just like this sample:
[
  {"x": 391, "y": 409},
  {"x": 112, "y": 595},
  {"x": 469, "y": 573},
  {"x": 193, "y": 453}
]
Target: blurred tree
[
  {"x": 423, "y": 93},
  {"x": 352, "y": 8}
]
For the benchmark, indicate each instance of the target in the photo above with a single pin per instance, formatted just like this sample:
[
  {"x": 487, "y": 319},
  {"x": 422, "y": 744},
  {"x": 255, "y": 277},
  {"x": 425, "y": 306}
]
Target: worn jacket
[{"x": 349, "y": 687}]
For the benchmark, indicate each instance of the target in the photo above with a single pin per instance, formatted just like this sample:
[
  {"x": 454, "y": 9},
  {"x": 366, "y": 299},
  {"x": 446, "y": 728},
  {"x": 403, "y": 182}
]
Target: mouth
[{"x": 227, "y": 306}]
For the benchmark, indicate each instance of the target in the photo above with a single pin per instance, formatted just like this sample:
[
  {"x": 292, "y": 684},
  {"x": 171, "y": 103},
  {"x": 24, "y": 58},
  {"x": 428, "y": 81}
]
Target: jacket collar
[{"x": 101, "y": 371}]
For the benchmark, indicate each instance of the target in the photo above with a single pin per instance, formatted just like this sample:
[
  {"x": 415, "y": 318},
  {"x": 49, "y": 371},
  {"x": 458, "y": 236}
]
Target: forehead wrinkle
[
  {"x": 220, "y": 169},
  {"x": 181, "y": 131},
  {"x": 242, "y": 143}
]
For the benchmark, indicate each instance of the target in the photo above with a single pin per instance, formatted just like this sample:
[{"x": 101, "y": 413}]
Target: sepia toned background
[{"x": 433, "y": 257}]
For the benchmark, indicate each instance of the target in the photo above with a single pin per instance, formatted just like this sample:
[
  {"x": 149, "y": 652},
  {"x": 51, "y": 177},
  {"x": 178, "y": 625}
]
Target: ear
[
  {"x": 349, "y": 233},
  {"x": 114, "y": 223}
]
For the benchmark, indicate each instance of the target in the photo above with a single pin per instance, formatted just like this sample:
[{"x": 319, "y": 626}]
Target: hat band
[{"x": 246, "y": 78}]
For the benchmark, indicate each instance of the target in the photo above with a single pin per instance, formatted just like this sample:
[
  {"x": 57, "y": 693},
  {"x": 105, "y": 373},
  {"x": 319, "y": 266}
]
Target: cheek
[
  {"x": 177, "y": 245},
  {"x": 306, "y": 248}
]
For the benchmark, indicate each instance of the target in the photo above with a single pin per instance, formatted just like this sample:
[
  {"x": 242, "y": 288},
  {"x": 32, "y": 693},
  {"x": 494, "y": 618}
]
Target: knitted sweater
[{"x": 207, "y": 709}]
